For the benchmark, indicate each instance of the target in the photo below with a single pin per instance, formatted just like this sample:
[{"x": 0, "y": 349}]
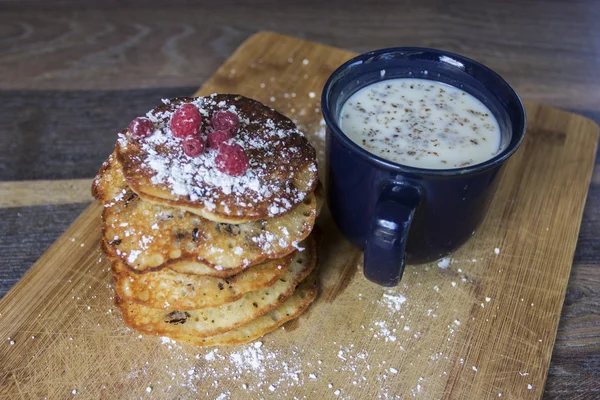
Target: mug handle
[{"x": 386, "y": 240}]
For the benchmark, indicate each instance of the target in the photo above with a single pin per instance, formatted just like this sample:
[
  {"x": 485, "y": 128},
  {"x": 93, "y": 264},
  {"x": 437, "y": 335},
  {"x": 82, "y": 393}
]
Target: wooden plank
[
  {"x": 34, "y": 193},
  {"x": 483, "y": 326}
]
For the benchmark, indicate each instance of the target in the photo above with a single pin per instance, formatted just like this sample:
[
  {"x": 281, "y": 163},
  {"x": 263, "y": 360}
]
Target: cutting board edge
[{"x": 265, "y": 35}]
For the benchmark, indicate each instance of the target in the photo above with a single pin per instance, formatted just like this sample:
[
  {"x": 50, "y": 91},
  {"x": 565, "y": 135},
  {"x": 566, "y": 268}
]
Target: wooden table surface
[{"x": 72, "y": 75}]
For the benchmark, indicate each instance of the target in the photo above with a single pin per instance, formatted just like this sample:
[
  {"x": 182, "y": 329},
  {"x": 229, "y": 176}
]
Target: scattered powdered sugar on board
[
  {"x": 379, "y": 366},
  {"x": 393, "y": 301},
  {"x": 384, "y": 331},
  {"x": 257, "y": 369},
  {"x": 251, "y": 357}
]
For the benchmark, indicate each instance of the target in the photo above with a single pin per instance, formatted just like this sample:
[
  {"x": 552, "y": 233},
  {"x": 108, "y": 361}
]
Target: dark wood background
[{"x": 73, "y": 74}]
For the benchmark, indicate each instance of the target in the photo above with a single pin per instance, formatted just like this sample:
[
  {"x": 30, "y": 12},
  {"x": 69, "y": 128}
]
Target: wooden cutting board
[{"x": 479, "y": 325}]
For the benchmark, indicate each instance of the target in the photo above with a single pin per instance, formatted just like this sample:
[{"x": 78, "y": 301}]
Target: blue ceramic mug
[{"x": 397, "y": 213}]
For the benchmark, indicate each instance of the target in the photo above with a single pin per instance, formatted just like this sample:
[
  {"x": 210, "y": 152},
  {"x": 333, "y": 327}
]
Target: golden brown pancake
[
  {"x": 109, "y": 180},
  {"x": 171, "y": 290},
  {"x": 216, "y": 320},
  {"x": 282, "y": 172},
  {"x": 204, "y": 256},
  {"x": 147, "y": 236},
  {"x": 292, "y": 308}
]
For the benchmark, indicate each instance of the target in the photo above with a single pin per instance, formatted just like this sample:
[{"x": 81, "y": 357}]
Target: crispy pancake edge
[
  {"x": 123, "y": 304},
  {"x": 227, "y": 292},
  {"x": 304, "y": 295}
]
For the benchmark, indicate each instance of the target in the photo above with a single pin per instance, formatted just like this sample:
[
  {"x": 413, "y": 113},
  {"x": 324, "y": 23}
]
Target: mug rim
[{"x": 333, "y": 127}]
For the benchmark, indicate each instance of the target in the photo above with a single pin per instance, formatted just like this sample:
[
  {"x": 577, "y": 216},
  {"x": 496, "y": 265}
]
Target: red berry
[
  {"x": 141, "y": 127},
  {"x": 215, "y": 138},
  {"x": 193, "y": 146},
  {"x": 186, "y": 121},
  {"x": 231, "y": 159},
  {"x": 225, "y": 121}
]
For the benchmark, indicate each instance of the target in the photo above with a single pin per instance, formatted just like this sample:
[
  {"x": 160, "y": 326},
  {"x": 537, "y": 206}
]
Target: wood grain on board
[
  {"x": 482, "y": 327},
  {"x": 34, "y": 193}
]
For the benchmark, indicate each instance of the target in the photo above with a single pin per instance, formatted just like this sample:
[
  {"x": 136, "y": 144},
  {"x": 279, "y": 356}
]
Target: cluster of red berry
[{"x": 186, "y": 123}]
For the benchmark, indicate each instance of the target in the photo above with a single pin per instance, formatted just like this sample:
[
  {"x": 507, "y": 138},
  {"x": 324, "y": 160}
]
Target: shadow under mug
[{"x": 397, "y": 213}]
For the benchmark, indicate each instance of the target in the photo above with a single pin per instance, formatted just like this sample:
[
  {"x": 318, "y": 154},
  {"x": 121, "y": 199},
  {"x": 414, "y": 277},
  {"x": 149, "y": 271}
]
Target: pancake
[
  {"x": 199, "y": 268},
  {"x": 109, "y": 181},
  {"x": 146, "y": 236},
  {"x": 282, "y": 169},
  {"x": 169, "y": 289},
  {"x": 303, "y": 296},
  {"x": 216, "y": 320}
]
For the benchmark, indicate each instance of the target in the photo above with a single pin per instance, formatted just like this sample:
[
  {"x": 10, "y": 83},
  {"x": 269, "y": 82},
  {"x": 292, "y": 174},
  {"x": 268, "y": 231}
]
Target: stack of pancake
[{"x": 201, "y": 255}]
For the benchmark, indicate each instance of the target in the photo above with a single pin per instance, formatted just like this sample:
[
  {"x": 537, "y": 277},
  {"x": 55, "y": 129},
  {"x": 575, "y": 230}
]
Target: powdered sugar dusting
[
  {"x": 250, "y": 357},
  {"x": 183, "y": 174},
  {"x": 259, "y": 370},
  {"x": 133, "y": 255},
  {"x": 444, "y": 263},
  {"x": 394, "y": 302},
  {"x": 267, "y": 142}
]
